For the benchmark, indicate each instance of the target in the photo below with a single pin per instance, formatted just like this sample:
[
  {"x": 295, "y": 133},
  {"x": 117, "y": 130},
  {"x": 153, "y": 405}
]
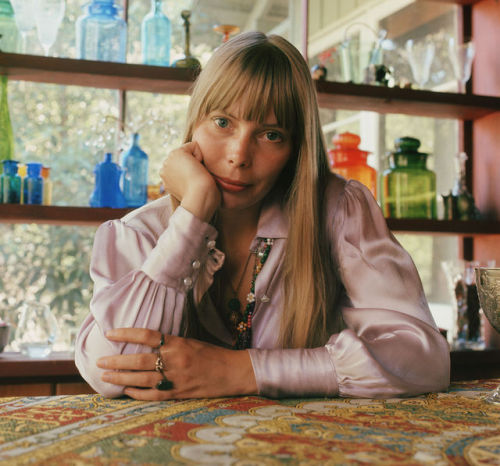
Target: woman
[{"x": 261, "y": 273}]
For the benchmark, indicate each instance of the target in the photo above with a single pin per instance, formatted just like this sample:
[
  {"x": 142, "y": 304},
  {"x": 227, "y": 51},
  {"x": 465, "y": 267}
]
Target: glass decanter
[{"x": 37, "y": 330}]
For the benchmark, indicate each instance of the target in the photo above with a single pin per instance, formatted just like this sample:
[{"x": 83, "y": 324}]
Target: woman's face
[{"x": 244, "y": 157}]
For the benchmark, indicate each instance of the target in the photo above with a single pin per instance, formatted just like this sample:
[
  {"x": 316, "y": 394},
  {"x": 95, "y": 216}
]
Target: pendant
[{"x": 234, "y": 305}]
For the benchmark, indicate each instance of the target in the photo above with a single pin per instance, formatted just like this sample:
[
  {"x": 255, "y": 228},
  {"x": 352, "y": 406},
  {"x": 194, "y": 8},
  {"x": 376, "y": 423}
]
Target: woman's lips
[{"x": 230, "y": 185}]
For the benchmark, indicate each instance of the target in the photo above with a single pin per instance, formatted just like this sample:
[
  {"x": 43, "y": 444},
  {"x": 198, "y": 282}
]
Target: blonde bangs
[{"x": 263, "y": 83}]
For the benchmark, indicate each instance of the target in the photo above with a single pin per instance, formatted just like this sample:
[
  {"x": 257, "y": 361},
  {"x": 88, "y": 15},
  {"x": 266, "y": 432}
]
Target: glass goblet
[
  {"x": 25, "y": 19},
  {"x": 488, "y": 289},
  {"x": 48, "y": 17},
  {"x": 420, "y": 56},
  {"x": 226, "y": 30},
  {"x": 461, "y": 56}
]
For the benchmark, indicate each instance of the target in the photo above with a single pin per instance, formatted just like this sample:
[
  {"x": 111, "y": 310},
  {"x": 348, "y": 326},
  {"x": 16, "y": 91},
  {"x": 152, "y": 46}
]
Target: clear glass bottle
[
  {"x": 347, "y": 160},
  {"x": 33, "y": 184},
  {"x": 10, "y": 183},
  {"x": 9, "y": 39},
  {"x": 6, "y": 133},
  {"x": 156, "y": 36},
  {"x": 134, "y": 164},
  {"x": 47, "y": 186},
  {"x": 408, "y": 186},
  {"x": 107, "y": 192},
  {"x": 101, "y": 34}
]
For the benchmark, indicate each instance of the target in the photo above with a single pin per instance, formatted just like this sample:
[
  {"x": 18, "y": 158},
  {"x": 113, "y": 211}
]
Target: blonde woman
[{"x": 260, "y": 272}]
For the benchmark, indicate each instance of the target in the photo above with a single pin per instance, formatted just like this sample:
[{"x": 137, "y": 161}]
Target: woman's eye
[
  {"x": 221, "y": 122},
  {"x": 274, "y": 136}
]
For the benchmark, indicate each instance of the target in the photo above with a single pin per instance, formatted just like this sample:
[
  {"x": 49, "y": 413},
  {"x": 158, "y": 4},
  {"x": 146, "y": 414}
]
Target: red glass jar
[{"x": 347, "y": 160}]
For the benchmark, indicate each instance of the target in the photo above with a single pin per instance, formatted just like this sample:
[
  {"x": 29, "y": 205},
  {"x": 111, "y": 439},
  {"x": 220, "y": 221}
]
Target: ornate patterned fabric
[{"x": 456, "y": 427}]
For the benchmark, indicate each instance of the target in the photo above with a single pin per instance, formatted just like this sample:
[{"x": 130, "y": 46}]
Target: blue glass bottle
[
  {"x": 134, "y": 164},
  {"x": 101, "y": 34},
  {"x": 155, "y": 36},
  {"x": 33, "y": 184},
  {"x": 10, "y": 183},
  {"x": 107, "y": 192}
]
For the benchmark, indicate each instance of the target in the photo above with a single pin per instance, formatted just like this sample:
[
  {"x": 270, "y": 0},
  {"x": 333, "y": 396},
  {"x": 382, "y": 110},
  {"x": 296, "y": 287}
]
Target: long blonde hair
[{"x": 267, "y": 72}]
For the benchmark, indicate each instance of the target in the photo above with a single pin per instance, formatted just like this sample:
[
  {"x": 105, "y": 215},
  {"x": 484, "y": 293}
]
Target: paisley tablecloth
[{"x": 456, "y": 427}]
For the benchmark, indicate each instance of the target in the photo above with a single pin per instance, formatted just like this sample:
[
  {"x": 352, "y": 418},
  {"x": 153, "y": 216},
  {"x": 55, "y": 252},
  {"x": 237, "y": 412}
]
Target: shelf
[
  {"x": 446, "y": 227},
  {"x": 67, "y": 71},
  {"x": 131, "y": 77},
  {"x": 380, "y": 99},
  {"x": 58, "y": 215},
  {"x": 91, "y": 216}
]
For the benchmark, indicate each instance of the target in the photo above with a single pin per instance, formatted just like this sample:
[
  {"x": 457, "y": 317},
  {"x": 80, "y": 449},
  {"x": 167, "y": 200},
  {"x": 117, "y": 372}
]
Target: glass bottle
[
  {"x": 408, "y": 187},
  {"x": 10, "y": 183},
  {"x": 107, "y": 192},
  {"x": 47, "y": 186},
  {"x": 101, "y": 34},
  {"x": 134, "y": 164},
  {"x": 33, "y": 184},
  {"x": 21, "y": 171},
  {"x": 347, "y": 160},
  {"x": 8, "y": 29},
  {"x": 6, "y": 134},
  {"x": 155, "y": 36}
]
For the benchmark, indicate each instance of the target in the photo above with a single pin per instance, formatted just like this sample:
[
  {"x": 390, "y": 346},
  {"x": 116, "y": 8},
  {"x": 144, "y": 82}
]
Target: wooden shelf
[
  {"x": 380, "y": 99},
  {"x": 68, "y": 71},
  {"x": 446, "y": 227},
  {"x": 91, "y": 216},
  {"x": 131, "y": 77},
  {"x": 58, "y": 215}
]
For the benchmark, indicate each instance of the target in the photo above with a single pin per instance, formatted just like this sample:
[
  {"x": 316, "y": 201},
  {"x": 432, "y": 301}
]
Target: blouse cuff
[
  {"x": 182, "y": 250},
  {"x": 294, "y": 372}
]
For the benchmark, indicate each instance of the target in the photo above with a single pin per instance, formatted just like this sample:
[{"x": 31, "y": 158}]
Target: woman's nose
[{"x": 240, "y": 150}]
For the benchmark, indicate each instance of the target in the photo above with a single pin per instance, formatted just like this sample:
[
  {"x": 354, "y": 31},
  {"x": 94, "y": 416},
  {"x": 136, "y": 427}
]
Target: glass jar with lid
[
  {"x": 408, "y": 186},
  {"x": 347, "y": 160}
]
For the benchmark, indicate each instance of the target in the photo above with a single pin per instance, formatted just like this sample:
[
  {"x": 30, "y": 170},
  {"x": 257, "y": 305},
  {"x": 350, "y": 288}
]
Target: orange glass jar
[{"x": 347, "y": 160}]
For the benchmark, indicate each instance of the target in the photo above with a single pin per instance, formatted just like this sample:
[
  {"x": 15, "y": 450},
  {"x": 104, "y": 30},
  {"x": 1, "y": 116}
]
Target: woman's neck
[{"x": 237, "y": 230}]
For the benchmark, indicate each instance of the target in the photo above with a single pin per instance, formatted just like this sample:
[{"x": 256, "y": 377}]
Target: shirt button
[
  {"x": 196, "y": 264},
  {"x": 188, "y": 282},
  {"x": 211, "y": 244},
  {"x": 265, "y": 299}
]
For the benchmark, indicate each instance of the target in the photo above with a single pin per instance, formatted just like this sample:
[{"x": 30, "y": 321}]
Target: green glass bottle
[
  {"x": 6, "y": 134},
  {"x": 408, "y": 186},
  {"x": 8, "y": 29}
]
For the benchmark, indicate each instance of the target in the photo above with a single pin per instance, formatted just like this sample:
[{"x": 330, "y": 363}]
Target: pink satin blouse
[{"x": 143, "y": 265}]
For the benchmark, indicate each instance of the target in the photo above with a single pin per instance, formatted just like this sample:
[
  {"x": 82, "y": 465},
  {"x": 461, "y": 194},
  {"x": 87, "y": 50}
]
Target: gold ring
[{"x": 159, "y": 366}]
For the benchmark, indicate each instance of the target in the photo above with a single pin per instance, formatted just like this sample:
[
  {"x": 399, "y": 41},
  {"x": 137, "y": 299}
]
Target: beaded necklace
[{"x": 244, "y": 328}]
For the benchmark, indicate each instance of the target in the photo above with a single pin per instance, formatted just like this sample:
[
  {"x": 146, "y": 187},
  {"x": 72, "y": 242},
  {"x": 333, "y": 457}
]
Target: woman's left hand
[{"x": 194, "y": 368}]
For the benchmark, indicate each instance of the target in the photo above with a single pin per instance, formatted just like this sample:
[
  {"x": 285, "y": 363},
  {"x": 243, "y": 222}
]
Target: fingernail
[
  {"x": 106, "y": 377},
  {"x": 110, "y": 333},
  {"x": 101, "y": 362}
]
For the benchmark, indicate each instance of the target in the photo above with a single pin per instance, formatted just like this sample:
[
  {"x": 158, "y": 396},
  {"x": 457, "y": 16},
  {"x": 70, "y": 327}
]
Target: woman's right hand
[{"x": 186, "y": 178}]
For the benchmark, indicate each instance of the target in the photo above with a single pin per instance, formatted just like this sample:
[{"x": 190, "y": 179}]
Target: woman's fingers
[
  {"x": 141, "y": 336},
  {"x": 147, "y": 379},
  {"x": 139, "y": 361}
]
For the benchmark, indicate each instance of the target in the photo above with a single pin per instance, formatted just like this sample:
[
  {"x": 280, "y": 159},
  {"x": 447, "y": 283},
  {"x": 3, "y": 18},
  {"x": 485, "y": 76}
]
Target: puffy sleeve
[
  {"x": 391, "y": 345},
  {"x": 141, "y": 274}
]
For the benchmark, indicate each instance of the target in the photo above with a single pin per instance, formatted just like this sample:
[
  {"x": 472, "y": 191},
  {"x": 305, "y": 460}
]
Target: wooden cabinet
[{"x": 54, "y": 375}]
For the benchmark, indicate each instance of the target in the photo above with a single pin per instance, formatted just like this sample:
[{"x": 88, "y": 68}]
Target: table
[{"x": 456, "y": 427}]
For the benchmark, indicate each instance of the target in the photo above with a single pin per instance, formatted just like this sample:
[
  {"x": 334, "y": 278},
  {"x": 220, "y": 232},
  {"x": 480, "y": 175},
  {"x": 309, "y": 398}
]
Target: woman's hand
[
  {"x": 186, "y": 178},
  {"x": 196, "y": 369}
]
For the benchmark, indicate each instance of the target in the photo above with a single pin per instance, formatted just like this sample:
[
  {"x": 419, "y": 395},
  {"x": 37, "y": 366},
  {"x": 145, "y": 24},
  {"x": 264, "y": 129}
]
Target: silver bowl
[
  {"x": 488, "y": 290},
  {"x": 4, "y": 336}
]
